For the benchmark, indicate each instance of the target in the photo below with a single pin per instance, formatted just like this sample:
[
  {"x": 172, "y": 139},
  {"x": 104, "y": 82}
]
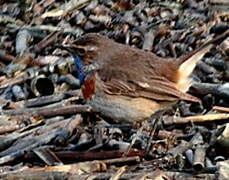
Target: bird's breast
[
  {"x": 88, "y": 89},
  {"x": 125, "y": 109}
]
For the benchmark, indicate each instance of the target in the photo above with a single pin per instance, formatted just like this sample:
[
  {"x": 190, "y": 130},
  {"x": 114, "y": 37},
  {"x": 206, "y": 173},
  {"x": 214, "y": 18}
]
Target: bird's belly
[{"x": 125, "y": 109}]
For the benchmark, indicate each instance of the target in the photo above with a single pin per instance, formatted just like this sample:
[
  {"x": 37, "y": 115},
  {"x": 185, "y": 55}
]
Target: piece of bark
[
  {"x": 50, "y": 111},
  {"x": 221, "y": 90},
  {"x": 66, "y": 8},
  {"x": 220, "y": 108},
  {"x": 50, "y": 99},
  {"x": 180, "y": 149},
  {"x": 43, "y": 136},
  {"x": 6, "y": 57},
  {"x": 88, "y": 166},
  {"x": 223, "y": 172},
  {"x": 119, "y": 173},
  {"x": 46, "y": 175},
  {"x": 22, "y": 42},
  {"x": 189, "y": 154},
  {"x": 47, "y": 156},
  {"x": 223, "y": 139},
  {"x": 34, "y": 175},
  {"x": 122, "y": 160},
  {"x": 196, "y": 119},
  {"x": 163, "y": 134},
  {"x": 47, "y": 41},
  {"x": 58, "y": 131},
  {"x": 225, "y": 45},
  {"x": 76, "y": 31},
  {"x": 71, "y": 156},
  {"x": 7, "y": 140},
  {"x": 12, "y": 81},
  {"x": 219, "y": 2},
  {"x": 148, "y": 40},
  {"x": 199, "y": 158},
  {"x": 9, "y": 126}
]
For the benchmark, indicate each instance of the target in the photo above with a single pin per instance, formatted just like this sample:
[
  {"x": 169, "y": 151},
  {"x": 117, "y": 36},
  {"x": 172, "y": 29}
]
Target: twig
[
  {"x": 196, "y": 119},
  {"x": 74, "y": 31},
  {"x": 48, "y": 40},
  {"x": 66, "y": 8},
  {"x": 119, "y": 173},
  {"x": 51, "y": 111},
  {"x": 45, "y": 100},
  {"x": 6, "y": 57},
  {"x": 220, "y": 108},
  {"x": 71, "y": 156}
]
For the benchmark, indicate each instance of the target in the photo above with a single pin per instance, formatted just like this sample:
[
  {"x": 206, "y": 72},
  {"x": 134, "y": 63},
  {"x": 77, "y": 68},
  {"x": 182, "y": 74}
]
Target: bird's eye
[{"x": 81, "y": 51}]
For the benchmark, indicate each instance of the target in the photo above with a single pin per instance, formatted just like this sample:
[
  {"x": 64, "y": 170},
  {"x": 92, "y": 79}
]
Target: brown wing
[
  {"x": 155, "y": 88},
  {"x": 159, "y": 88}
]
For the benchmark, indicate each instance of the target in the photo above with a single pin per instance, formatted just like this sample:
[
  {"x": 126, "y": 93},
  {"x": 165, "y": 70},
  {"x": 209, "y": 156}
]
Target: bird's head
[
  {"x": 86, "y": 52},
  {"x": 88, "y": 47}
]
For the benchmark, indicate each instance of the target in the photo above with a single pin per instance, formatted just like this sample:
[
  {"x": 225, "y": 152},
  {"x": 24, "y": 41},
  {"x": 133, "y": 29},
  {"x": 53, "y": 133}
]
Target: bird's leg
[
  {"x": 155, "y": 120},
  {"x": 149, "y": 126},
  {"x": 138, "y": 134}
]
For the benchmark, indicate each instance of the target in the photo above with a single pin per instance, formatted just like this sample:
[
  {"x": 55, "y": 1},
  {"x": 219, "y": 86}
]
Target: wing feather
[{"x": 155, "y": 88}]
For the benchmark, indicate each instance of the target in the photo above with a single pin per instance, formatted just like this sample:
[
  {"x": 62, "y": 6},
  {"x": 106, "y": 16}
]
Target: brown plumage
[{"x": 131, "y": 84}]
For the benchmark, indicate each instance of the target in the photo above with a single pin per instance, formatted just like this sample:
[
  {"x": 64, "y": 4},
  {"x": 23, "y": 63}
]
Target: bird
[{"x": 127, "y": 84}]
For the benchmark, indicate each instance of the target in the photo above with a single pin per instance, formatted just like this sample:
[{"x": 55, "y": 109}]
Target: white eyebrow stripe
[{"x": 91, "y": 48}]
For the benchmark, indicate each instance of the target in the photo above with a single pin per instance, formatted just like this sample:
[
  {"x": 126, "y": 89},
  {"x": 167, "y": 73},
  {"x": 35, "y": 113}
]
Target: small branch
[
  {"x": 51, "y": 111},
  {"x": 221, "y": 109},
  {"x": 196, "y": 119}
]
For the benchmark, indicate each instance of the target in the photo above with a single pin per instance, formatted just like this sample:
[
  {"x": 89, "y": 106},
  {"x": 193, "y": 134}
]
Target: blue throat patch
[{"x": 79, "y": 68}]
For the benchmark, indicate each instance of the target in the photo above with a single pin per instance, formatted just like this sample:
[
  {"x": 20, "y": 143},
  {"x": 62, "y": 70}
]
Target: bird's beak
[
  {"x": 68, "y": 48},
  {"x": 81, "y": 75},
  {"x": 74, "y": 49}
]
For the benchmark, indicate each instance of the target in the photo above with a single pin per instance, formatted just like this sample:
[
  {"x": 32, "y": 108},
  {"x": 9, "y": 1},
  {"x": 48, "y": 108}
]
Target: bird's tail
[
  {"x": 189, "y": 61},
  {"x": 205, "y": 47}
]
